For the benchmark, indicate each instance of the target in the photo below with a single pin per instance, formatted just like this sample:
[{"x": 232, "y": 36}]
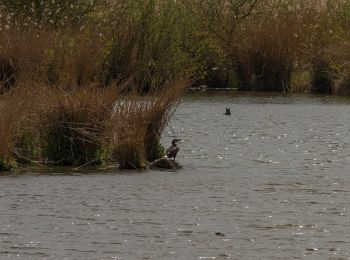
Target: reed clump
[
  {"x": 15, "y": 120},
  {"x": 128, "y": 133},
  {"x": 271, "y": 45},
  {"x": 73, "y": 119},
  {"x": 159, "y": 110},
  {"x": 250, "y": 44},
  {"x": 138, "y": 121},
  {"x": 59, "y": 56},
  {"x": 85, "y": 125},
  {"x": 9, "y": 126}
]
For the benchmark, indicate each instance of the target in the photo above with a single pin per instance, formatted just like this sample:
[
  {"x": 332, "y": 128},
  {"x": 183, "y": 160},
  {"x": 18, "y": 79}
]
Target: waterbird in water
[
  {"x": 220, "y": 234},
  {"x": 172, "y": 151},
  {"x": 228, "y": 111}
]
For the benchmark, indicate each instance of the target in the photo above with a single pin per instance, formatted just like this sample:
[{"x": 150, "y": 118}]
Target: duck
[{"x": 172, "y": 151}]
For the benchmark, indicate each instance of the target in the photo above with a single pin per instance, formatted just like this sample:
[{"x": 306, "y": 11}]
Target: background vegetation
[
  {"x": 78, "y": 77},
  {"x": 263, "y": 45}
]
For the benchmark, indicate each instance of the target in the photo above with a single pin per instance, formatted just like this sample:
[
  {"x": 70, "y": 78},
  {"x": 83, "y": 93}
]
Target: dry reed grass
[
  {"x": 10, "y": 120},
  {"x": 339, "y": 71},
  {"x": 271, "y": 43},
  {"x": 128, "y": 133},
  {"x": 73, "y": 121},
  {"x": 59, "y": 101},
  {"x": 138, "y": 122},
  {"x": 69, "y": 84},
  {"x": 86, "y": 124},
  {"x": 16, "y": 117},
  {"x": 25, "y": 53},
  {"x": 161, "y": 108}
]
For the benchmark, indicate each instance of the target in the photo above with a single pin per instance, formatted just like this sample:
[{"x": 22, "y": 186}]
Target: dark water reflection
[{"x": 271, "y": 180}]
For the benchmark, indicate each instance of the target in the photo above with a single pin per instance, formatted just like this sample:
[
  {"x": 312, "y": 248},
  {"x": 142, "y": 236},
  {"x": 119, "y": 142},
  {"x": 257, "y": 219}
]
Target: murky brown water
[{"x": 273, "y": 179}]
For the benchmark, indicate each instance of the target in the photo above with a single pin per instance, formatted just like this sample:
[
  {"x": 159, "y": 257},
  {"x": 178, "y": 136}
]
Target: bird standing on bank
[{"x": 172, "y": 151}]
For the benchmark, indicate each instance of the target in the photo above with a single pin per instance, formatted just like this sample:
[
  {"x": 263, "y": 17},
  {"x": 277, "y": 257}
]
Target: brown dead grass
[
  {"x": 138, "y": 122},
  {"x": 270, "y": 45}
]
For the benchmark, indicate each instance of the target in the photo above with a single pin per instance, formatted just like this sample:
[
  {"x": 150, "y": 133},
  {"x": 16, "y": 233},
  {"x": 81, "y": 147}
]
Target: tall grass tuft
[
  {"x": 143, "y": 41},
  {"x": 271, "y": 44},
  {"x": 10, "y": 118},
  {"x": 128, "y": 133},
  {"x": 15, "y": 119},
  {"x": 162, "y": 105},
  {"x": 138, "y": 122},
  {"x": 73, "y": 120}
]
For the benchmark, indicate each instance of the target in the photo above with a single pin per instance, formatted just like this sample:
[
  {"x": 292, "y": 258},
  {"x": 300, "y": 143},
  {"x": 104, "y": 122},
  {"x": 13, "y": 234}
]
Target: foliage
[
  {"x": 57, "y": 14},
  {"x": 7, "y": 164},
  {"x": 28, "y": 147}
]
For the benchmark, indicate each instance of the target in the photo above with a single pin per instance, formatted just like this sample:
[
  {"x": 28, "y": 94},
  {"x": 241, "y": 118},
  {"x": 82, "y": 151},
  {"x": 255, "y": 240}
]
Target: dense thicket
[{"x": 279, "y": 45}]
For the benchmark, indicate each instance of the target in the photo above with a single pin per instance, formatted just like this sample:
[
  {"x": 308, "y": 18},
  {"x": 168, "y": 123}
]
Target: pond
[{"x": 271, "y": 181}]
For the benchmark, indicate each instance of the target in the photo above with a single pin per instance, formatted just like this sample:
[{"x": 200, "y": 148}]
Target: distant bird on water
[
  {"x": 228, "y": 111},
  {"x": 172, "y": 151}
]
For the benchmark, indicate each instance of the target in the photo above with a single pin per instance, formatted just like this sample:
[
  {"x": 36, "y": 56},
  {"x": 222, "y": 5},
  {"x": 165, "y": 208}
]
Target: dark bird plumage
[
  {"x": 228, "y": 111},
  {"x": 172, "y": 151},
  {"x": 220, "y": 234}
]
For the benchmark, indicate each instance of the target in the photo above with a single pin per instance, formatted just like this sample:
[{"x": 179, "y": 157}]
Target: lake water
[{"x": 269, "y": 182}]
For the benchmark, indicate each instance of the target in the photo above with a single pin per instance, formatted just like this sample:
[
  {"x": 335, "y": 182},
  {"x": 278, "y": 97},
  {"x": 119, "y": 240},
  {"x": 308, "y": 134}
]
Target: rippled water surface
[{"x": 272, "y": 181}]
